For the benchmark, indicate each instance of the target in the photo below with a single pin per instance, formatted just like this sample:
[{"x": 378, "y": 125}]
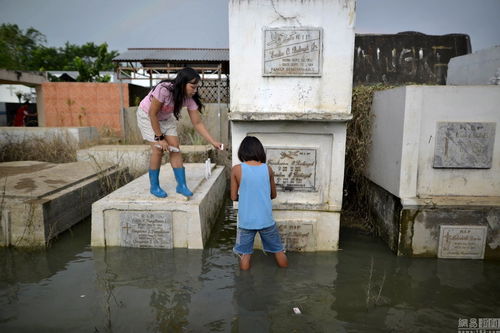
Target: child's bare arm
[
  {"x": 273, "y": 184},
  {"x": 235, "y": 181}
]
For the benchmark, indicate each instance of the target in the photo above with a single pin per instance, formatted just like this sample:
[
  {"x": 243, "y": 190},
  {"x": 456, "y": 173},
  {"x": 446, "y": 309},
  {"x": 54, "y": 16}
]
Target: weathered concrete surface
[
  {"x": 406, "y": 57},
  {"x": 136, "y": 157},
  {"x": 405, "y": 136},
  {"x": 478, "y": 68},
  {"x": 40, "y": 200},
  {"x": 306, "y": 231},
  {"x": 411, "y": 228},
  {"x": 22, "y": 77},
  {"x": 166, "y": 222},
  {"x": 74, "y": 135}
]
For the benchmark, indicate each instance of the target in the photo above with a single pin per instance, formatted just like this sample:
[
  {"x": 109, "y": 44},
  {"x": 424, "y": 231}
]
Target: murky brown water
[{"x": 362, "y": 288}]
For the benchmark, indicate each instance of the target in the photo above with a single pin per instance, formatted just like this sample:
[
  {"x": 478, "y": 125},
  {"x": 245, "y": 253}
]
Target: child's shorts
[
  {"x": 167, "y": 127},
  {"x": 271, "y": 241}
]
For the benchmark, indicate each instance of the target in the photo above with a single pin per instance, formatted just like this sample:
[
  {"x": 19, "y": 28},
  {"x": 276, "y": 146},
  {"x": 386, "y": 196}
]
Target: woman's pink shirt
[{"x": 164, "y": 96}]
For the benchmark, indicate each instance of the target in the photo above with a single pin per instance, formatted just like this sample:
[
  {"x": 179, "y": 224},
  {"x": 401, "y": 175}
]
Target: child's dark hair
[
  {"x": 251, "y": 149},
  {"x": 183, "y": 77}
]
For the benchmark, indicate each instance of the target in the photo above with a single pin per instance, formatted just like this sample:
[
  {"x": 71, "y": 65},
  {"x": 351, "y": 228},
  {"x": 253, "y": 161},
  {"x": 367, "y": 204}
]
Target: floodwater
[{"x": 72, "y": 287}]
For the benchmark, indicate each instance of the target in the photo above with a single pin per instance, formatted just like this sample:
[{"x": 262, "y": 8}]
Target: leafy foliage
[{"x": 27, "y": 51}]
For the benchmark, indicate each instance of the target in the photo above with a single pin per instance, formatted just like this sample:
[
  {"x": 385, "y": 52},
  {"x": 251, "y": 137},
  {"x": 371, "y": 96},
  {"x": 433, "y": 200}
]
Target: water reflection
[{"x": 362, "y": 288}]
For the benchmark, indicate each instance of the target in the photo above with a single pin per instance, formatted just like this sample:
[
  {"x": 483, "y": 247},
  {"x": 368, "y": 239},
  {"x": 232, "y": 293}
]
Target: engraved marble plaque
[
  {"x": 294, "y": 168},
  {"x": 292, "y": 51},
  {"x": 297, "y": 235},
  {"x": 462, "y": 242},
  {"x": 146, "y": 229},
  {"x": 464, "y": 145}
]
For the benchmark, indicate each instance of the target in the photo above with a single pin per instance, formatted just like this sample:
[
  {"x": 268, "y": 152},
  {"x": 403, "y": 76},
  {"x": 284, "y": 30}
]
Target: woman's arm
[
  {"x": 235, "y": 181},
  {"x": 273, "y": 184},
  {"x": 155, "y": 124},
  {"x": 200, "y": 128}
]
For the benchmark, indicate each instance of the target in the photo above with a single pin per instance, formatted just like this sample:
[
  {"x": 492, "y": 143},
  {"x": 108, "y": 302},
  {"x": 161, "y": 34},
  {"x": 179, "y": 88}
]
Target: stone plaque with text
[
  {"x": 462, "y": 242},
  {"x": 464, "y": 145},
  {"x": 292, "y": 51},
  {"x": 297, "y": 235},
  {"x": 146, "y": 229},
  {"x": 294, "y": 169}
]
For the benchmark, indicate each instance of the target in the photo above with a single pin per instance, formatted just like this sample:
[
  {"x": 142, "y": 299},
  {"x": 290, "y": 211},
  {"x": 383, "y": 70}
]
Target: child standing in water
[
  {"x": 253, "y": 186},
  {"x": 157, "y": 117}
]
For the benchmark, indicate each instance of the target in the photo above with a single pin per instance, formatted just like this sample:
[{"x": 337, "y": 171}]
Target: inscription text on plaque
[
  {"x": 464, "y": 145},
  {"x": 296, "y": 236},
  {"x": 292, "y": 51},
  {"x": 462, "y": 242},
  {"x": 146, "y": 229},
  {"x": 294, "y": 169}
]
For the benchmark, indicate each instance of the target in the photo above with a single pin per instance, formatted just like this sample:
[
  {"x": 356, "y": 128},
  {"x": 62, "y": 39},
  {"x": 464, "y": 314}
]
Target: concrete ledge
[
  {"x": 136, "y": 157},
  {"x": 291, "y": 116},
  {"x": 22, "y": 77},
  {"x": 132, "y": 217},
  {"x": 413, "y": 230},
  {"x": 77, "y": 135},
  {"x": 40, "y": 203}
]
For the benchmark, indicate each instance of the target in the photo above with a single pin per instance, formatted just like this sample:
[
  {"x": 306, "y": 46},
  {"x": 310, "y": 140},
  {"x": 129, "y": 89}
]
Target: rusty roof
[{"x": 172, "y": 54}]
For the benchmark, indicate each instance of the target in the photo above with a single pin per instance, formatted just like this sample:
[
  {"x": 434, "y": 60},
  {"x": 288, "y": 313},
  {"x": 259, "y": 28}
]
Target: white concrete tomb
[
  {"x": 133, "y": 217},
  {"x": 291, "y": 85}
]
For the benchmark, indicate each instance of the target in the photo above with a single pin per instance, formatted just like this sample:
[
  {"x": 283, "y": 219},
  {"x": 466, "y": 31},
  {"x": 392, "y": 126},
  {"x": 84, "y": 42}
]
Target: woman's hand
[
  {"x": 163, "y": 145},
  {"x": 201, "y": 129},
  {"x": 218, "y": 145}
]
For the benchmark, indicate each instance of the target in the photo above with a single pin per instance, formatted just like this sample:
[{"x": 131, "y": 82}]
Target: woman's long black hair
[{"x": 184, "y": 76}]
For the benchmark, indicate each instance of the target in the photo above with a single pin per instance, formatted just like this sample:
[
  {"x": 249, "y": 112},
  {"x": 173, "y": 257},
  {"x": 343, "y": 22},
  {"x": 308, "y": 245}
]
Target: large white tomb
[
  {"x": 434, "y": 165},
  {"x": 291, "y": 85}
]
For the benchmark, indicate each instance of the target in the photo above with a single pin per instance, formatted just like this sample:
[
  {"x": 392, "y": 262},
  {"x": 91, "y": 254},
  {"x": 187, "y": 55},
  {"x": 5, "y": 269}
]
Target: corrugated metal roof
[{"x": 173, "y": 54}]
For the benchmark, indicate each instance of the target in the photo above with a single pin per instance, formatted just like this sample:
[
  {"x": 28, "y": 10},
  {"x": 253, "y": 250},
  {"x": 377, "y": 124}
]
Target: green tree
[
  {"x": 18, "y": 46},
  {"x": 26, "y": 51},
  {"x": 88, "y": 67}
]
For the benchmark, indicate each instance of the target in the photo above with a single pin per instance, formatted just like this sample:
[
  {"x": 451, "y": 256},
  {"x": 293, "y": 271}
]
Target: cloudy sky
[{"x": 203, "y": 23}]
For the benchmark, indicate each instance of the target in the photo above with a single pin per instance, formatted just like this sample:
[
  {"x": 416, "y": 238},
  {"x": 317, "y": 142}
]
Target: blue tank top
[{"x": 255, "y": 210}]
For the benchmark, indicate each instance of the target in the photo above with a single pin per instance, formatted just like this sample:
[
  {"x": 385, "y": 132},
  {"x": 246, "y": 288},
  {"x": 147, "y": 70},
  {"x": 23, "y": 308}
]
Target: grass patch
[
  {"x": 56, "y": 149},
  {"x": 355, "y": 200}
]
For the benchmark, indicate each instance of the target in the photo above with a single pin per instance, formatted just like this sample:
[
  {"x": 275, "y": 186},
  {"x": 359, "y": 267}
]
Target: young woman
[{"x": 157, "y": 117}]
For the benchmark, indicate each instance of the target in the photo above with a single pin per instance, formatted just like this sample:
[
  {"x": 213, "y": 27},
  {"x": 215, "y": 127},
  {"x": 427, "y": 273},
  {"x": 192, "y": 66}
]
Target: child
[
  {"x": 156, "y": 118},
  {"x": 254, "y": 180}
]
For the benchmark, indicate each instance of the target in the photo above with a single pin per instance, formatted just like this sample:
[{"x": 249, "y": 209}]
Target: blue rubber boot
[
  {"x": 156, "y": 190},
  {"x": 180, "y": 176}
]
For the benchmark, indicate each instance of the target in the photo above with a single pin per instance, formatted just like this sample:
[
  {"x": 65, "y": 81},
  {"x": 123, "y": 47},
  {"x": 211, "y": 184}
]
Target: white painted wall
[
  {"x": 457, "y": 104},
  {"x": 384, "y": 159},
  {"x": 8, "y": 92},
  {"x": 402, "y": 153},
  {"x": 251, "y": 92},
  {"x": 476, "y": 68}
]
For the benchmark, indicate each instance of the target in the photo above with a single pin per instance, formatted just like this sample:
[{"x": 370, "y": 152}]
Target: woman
[{"x": 157, "y": 116}]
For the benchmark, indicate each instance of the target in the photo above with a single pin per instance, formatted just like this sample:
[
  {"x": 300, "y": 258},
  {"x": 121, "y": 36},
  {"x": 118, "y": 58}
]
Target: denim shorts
[{"x": 271, "y": 241}]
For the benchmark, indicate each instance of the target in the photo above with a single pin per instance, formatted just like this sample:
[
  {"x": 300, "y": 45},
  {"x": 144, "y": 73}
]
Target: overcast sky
[{"x": 203, "y": 23}]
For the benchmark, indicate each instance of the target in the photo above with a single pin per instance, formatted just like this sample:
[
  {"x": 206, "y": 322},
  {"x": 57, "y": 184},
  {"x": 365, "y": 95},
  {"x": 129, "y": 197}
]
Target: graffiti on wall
[{"x": 408, "y": 57}]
